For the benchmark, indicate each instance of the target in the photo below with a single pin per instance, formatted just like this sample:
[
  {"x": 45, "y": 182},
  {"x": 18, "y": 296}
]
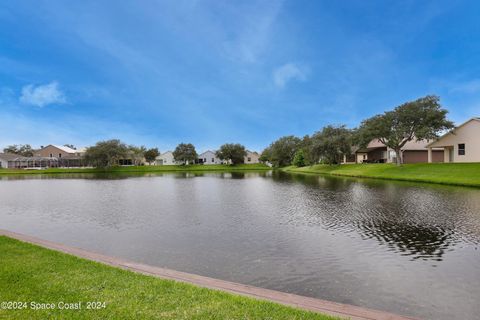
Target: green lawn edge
[
  {"x": 143, "y": 169},
  {"x": 30, "y": 273},
  {"x": 458, "y": 174}
]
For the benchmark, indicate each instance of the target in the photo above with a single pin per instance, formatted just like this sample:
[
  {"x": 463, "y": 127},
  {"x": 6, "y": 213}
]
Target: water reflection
[
  {"x": 414, "y": 240},
  {"x": 408, "y": 248},
  {"x": 409, "y": 219},
  {"x": 126, "y": 175}
]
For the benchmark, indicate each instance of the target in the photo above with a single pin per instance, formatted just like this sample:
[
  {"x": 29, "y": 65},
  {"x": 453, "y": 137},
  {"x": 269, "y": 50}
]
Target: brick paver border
[{"x": 306, "y": 303}]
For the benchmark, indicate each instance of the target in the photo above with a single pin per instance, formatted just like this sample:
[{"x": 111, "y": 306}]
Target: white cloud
[
  {"x": 42, "y": 95},
  {"x": 290, "y": 71}
]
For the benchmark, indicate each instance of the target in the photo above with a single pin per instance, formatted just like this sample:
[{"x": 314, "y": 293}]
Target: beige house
[
  {"x": 414, "y": 151},
  {"x": 66, "y": 156},
  {"x": 208, "y": 157},
  {"x": 252, "y": 157},
  {"x": 55, "y": 151},
  {"x": 462, "y": 144},
  {"x": 7, "y": 160},
  {"x": 166, "y": 158}
]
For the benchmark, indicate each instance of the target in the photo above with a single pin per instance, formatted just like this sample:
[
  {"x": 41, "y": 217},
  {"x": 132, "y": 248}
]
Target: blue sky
[{"x": 208, "y": 72}]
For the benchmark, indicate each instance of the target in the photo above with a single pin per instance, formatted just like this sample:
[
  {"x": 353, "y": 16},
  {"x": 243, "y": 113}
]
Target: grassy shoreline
[
  {"x": 30, "y": 273},
  {"x": 144, "y": 169},
  {"x": 460, "y": 174}
]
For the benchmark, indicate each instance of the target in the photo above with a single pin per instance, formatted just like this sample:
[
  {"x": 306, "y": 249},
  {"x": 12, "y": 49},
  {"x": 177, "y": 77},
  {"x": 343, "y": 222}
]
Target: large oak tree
[
  {"x": 106, "y": 153},
  {"x": 23, "y": 150},
  {"x": 151, "y": 155},
  {"x": 233, "y": 152},
  {"x": 422, "y": 119},
  {"x": 331, "y": 144},
  {"x": 281, "y": 152},
  {"x": 185, "y": 153}
]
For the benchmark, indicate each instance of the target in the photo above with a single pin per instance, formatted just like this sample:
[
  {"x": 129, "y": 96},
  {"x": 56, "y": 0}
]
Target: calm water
[{"x": 412, "y": 249}]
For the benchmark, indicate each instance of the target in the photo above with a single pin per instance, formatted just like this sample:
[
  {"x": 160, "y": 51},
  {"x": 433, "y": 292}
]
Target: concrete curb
[{"x": 306, "y": 303}]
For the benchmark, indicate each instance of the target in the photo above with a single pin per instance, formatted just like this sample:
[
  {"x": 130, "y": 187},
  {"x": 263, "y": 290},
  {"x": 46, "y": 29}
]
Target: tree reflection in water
[{"x": 415, "y": 220}]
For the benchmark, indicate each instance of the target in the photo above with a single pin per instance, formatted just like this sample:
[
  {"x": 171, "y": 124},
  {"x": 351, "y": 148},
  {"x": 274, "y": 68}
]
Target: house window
[
  {"x": 461, "y": 149},
  {"x": 249, "y": 159},
  {"x": 204, "y": 159},
  {"x": 51, "y": 155},
  {"x": 213, "y": 159},
  {"x": 59, "y": 155},
  {"x": 364, "y": 157}
]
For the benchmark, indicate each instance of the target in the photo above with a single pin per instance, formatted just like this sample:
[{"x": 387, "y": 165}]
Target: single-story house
[
  {"x": 208, "y": 157},
  {"x": 414, "y": 151},
  {"x": 461, "y": 144},
  {"x": 351, "y": 158},
  {"x": 165, "y": 158},
  {"x": 6, "y": 160},
  {"x": 252, "y": 157},
  {"x": 15, "y": 161}
]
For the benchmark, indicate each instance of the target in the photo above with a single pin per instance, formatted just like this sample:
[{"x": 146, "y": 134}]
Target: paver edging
[{"x": 306, "y": 303}]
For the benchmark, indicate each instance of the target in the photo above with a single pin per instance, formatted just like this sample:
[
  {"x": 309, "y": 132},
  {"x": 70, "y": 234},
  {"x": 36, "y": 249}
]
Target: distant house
[
  {"x": 461, "y": 144},
  {"x": 15, "y": 161},
  {"x": 66, "y": 156},
  {"x": 351, "y": 158},
  {"x": 6, "y": 160},
  {"x": 165, "y": 158},
  {"x": 208, "y": 157},
  {"x": 56, "y": 151},
  {"x": 252, "y": 157},
  {"x": 412, "y": 152}
]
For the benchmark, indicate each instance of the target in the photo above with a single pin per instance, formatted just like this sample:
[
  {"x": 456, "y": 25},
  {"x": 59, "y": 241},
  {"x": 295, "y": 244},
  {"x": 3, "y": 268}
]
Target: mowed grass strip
[
  {"x": 463, "y": 174},
  {"x": 144, "y": 169},
  {"x": 34, "y": 274}
]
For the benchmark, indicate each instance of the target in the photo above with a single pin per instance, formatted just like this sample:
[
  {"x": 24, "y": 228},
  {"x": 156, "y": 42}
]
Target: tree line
[
  {"x": 233, "y": 153},
  {"x": 114, "y": 152},
  {"x": 421, "y": 119},
  {"x": 24, "y": 150}
]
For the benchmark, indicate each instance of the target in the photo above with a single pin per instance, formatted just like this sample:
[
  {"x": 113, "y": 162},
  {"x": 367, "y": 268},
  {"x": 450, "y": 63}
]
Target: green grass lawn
[
  {"x": 30, "y": 273},
  {"x": 145, "y": 169},
  {"x": 465, "y": 174}
]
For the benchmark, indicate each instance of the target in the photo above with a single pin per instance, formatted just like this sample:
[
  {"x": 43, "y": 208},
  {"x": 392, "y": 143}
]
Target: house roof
[
  {"x": 66, "y": 149},
  {"x": 163, "y": 154},
  {"x": 410, "y": 145},
  {"x": 63, "y": 148},
  {"x": 453, "y": 131},
  {"x": 17, "y": 157},
  {"x": 8, "y": 156},
  {"x": 205, "y": 152},
  {"x": 374, "y": 144}
]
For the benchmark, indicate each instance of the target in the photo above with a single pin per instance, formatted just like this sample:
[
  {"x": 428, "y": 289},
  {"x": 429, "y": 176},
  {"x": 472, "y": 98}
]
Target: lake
[{"x": 411, "y": 249}]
